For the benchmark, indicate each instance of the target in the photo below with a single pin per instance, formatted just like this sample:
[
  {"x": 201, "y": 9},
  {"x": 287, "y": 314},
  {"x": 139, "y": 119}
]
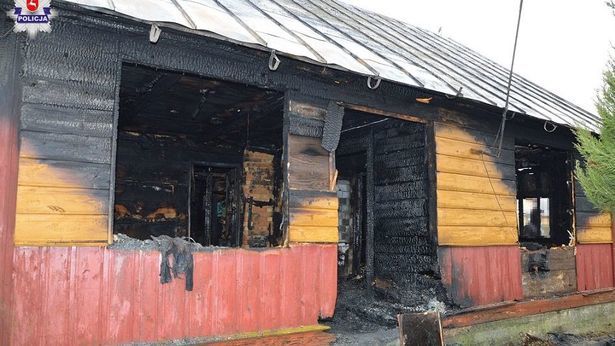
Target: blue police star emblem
[{"x": 32, "y": 16}]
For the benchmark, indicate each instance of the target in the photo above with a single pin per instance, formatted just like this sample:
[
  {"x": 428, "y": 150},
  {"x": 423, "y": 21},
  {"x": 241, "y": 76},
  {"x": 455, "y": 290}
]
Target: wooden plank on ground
[
  {"x": 519, "y": 309},
  {"x": 420, "y": 328}
]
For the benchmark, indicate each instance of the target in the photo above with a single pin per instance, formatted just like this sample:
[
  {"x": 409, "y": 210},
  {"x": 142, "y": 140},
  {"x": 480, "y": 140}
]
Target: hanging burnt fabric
[
  {"x": 183, "y": 262},
  {"x": 333, "y": 126}
]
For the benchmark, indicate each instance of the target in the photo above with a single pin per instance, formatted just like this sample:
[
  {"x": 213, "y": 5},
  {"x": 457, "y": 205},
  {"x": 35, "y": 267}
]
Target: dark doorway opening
[
  {"x": 215, "y": 217},
  {"x": 383, "y": 198}
]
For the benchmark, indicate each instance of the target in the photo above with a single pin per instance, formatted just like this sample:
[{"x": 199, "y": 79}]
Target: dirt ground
[{"x": 369, "y": 317}]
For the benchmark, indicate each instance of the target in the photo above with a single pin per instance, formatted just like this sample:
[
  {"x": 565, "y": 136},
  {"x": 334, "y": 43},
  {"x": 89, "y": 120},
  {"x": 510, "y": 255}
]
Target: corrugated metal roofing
[{"x": 333, "y": 33}]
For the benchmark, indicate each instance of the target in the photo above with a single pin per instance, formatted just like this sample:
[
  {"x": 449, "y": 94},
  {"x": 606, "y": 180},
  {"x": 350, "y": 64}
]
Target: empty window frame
[{"x": 544, "y": 195}]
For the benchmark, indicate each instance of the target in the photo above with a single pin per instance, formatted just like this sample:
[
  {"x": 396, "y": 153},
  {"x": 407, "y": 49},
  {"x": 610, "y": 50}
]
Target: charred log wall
[
  {"x": 152, "y": 182},
  {"x": 403, "y": 246}
]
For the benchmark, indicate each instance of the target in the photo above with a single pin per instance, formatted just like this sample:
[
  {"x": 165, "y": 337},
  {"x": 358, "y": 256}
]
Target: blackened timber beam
[
  {"x": 430, "y": 160},
  {"x": 369, "y": 234}
]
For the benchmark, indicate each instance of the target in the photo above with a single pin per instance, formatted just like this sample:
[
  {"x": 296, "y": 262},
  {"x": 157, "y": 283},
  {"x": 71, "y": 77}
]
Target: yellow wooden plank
[
  {"x": 43, "y": 229},
  {"x": 595, "y": 235},
  {"x": 476, "y": 236},
  {"x": 468, "y": 217},
  {"x": 313, "y": 217},
  {"x": 51, "y": 200},
  {"x": 313, "y": 234},
  {"x": 591, "y": 220},
  {"x": 313, "y": 200},
  {"x": 308, "y": 164},
  {"x": 452, "y": 164},
  {"x": 453, "y": 147},
  {"x": 34, "y": 172},
  {"x": 478, "y": 201},
  {"x": 466, "y": 183}
]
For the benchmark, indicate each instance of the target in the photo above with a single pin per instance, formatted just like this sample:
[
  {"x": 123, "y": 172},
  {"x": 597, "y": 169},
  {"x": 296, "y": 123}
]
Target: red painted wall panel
[
  {"x": 481, "y": 275},
  {"x": 594, "y": 266},
  {"x": 10, "y": 64},
  {"x": 95, "y": 295}
]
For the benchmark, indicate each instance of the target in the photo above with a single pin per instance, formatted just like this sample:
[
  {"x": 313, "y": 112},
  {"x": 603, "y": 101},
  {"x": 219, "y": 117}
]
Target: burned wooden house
[{"x": 296, "y": 141}]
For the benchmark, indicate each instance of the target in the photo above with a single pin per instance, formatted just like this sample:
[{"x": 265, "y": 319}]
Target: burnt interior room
[
  {"x": 544, "y": 195},
  {"x": 394, "y": 151},
  {"x": 198, "y": 158}
]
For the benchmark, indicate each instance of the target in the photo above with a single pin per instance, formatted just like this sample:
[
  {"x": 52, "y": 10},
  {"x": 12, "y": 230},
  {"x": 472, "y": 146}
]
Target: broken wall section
[{"x": 262, "y": 204}]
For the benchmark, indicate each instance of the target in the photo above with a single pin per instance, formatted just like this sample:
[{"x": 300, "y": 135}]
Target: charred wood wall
[
  {"x": 312, "y": 201},
  {"x": 261, "y": 174},
  {"x": 403, "y": 246},
  {"x": 67, "y": 118},
  {"x": 152, "y": 181}
]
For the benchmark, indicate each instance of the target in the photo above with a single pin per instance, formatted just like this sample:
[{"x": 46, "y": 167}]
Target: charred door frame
[
  {"x": 237, "y": 232},
  {"x": 430, "y": 166}
]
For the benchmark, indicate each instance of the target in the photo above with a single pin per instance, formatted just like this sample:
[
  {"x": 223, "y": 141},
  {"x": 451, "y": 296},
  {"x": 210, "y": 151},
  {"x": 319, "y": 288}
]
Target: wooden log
[
  {"x": 64, "y": 230},
  {"x": 466, "y": 183},
  {"x": 51, "y": 200},
  {"x": 470, "y": 217},
  {"x": 313, "y": 217},
  {"x": 53, "y": 173},
  {"x": 478, "y": 168},
  {"x": 476, "y": 235},
  {"x": 475, "y": 201},
  {"x": 308, "y": 164},
  {"x": 313, "y": 234}
]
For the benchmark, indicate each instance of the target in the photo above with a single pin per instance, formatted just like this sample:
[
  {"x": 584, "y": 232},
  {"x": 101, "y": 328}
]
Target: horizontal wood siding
[
  {"x": 592, "y": 225},
  {"x": 312, "y": 205},
  {"x": 100, "y": 296},
  {"x": 66, "y": 138},
  {"x": 476, "y": 191}
]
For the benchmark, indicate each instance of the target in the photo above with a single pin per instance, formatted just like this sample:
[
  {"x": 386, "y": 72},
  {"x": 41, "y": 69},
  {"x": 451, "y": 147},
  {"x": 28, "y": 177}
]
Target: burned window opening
[
  {"x": 544, "y": 196},
  {"x": 194, "y": 155}
]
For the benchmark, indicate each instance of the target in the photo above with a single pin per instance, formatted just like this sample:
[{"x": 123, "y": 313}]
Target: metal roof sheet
[{"x": 339, "y": 35}]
